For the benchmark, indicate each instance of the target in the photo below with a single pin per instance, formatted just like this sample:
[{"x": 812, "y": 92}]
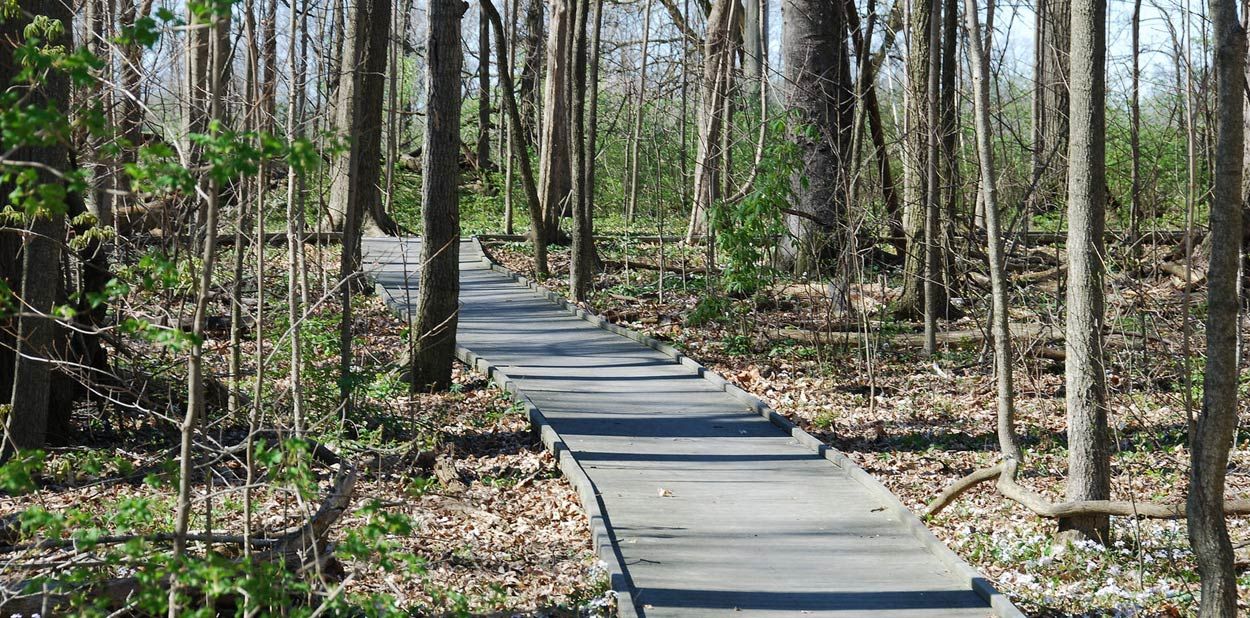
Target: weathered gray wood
[{"x": 712, "y": 509}]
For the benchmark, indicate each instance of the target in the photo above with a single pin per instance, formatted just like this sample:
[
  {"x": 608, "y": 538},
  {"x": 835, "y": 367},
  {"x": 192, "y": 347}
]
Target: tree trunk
[
  {"x": 919, "y": 121},
  {"x": 592, "y": 123},
  {"x": 753, "y": 47},
  {"x": 483, "y": 88},
  {"x": 582, "y": 265},
  {"x": 1134, "y": 133},
  {"x": 216, "y": 54},
  {"x": 535, "y": 52},
  {"x": 719, "y": 48},
  {"x": 439, "y": 293},
  {"x": 295, "y": 213},
  {"x": 520, "y": 144},
  {"x": 876, "y": 129},
  {"x": 1213, "y": 433},
  {"x": 631, "y": 187},
  {"x": 555, "y": 164},
  {"x": 822, "y": 100},
  {"x": 27, "y": 423},
  {"x": 354, "y": 188},
  {"x": 1052, "y": 101},
  {"x": 1089, "y": 474},
  {"x": 933, "y": 262},
  {"x": 357, "y": 169},
  {"x": 1000, "y": 320}
]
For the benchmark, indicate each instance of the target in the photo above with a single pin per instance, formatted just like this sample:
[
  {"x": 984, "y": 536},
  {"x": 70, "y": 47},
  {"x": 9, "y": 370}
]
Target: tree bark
[
  {"x": 1052, "y": 101},
  {"x": 438, "y": 297},
  {"x": 753, "y": 47},
  {"x": 1089, "y": 463},
  {"x": 582, "y": 265},
  {"x": 520, "y": 144},
  {"x": 1000, "y": 320},
  {"x": 920, "y": 164},
  {"x": 356, "y": 170},
  {"x": 719, "y": 47},
  {"x": 483, "y": 92},
  {"x": 535, "y": 52},
  {"x": 555, "y": 162},
  {"x": 38, "y": 279},
  {"x": 1213, "y": 433},
  {"x": 822, "y": 99},
  {"x": 355, "y": 200}
]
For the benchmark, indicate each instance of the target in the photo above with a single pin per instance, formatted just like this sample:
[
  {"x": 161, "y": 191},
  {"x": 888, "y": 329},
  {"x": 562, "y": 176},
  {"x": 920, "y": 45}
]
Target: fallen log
[
  {"x": 299, "y": 551},
  {"x": 1197, "y": 277},
  {"x": 948, "y": 337},
  {"x": 675, "y": 269},
  {"x": 279, "y": 239},
  {"x": 649, "y": 239}
]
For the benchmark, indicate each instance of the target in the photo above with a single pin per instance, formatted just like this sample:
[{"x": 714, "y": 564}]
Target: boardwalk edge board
[
  {"x": 592, "y": 503},
  {"x": 603, "y": 542},
  {"x": 999, "y": 603}
]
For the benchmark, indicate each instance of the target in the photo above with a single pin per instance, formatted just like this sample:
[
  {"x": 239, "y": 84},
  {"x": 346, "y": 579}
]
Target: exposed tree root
[{"x": 1005, "y": 473}]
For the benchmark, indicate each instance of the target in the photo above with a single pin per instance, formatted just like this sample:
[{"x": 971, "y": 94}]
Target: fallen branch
[
  {"x": 117, "y": 539},
  {"x": 299, "y": 550}
]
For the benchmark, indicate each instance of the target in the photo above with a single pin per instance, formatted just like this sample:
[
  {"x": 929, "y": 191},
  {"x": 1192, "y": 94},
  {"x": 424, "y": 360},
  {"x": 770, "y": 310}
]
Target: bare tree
[
  {"x": 719, "y": 49},
  {"x": 1000, "y": 320},
  {"x": 483, "y": 92},
  {"x": 434, "y": 322},
  {"x": 354, "y": 190},
  {"x": 1213, "y": 431},
  {"x": 1089, "y": 458}
]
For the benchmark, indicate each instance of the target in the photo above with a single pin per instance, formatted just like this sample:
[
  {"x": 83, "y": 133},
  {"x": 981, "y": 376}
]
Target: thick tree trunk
[
  {"x": 917, "y": 153},
  {"x": 822, "y": 98},
  {"x": 1089, "y": 464},
  {"x": 753, "y": 47},
  {"x": 354, "y": 197},
  {"x": 555, "y": 163},
  {"x": 439, "y": 294},
  {"x": 1213, "y": 433},
  {"x": 38, "y": 281},
  {"x": 356, "y": 170},
  {"x": 535, "y": 52}
]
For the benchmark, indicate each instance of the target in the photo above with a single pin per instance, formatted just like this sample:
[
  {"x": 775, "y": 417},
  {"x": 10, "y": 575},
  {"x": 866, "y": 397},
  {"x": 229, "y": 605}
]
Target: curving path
[{"x": 707, "y": 507}]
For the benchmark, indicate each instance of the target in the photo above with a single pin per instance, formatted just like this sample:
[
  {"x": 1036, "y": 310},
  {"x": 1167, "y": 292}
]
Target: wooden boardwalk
[{"x": 709, "y": 508}]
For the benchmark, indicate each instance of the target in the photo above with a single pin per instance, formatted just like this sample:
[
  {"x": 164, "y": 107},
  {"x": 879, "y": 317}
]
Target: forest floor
[
  {"x": 495, "y": 528},
  {"x": 919, "y": 423}
]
